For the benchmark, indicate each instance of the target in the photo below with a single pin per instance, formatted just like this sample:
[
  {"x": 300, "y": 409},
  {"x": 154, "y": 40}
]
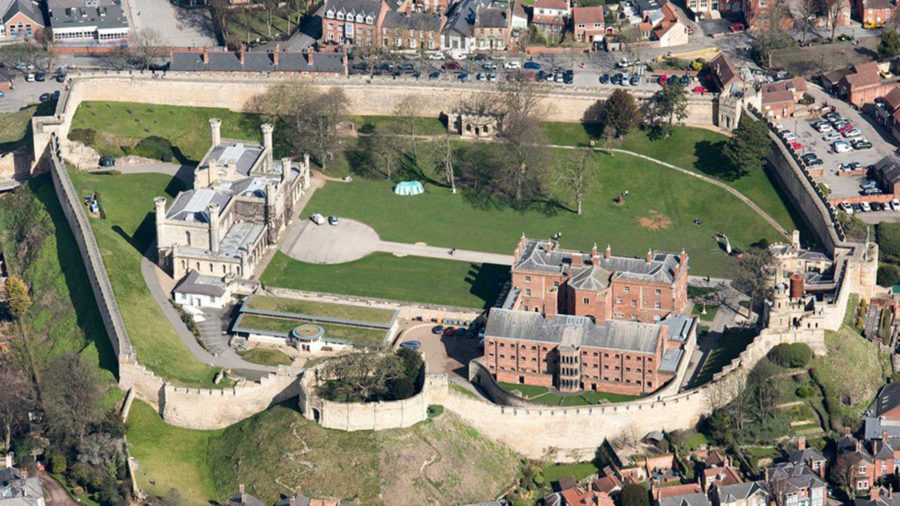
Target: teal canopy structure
[{"x": 409, "y": 188}]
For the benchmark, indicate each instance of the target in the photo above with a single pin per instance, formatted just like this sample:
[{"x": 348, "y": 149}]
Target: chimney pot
[
  {"x": 608, "y": 253},
  {"x": 241, "y": 55},
  {"x": 205, "y": 55},
  {"x": 649, "y": 256}
]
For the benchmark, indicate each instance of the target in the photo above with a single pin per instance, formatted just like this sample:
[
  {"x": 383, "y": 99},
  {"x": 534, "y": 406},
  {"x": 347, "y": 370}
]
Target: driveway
[
  {"x": 54, "y": 493},
  {"x": 450, "y": 355},
  {"x": 25, "y": 93}
]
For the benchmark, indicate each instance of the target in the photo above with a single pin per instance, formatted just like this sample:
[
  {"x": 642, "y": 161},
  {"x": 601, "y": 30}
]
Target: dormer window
[
  {"x": 369, "y": 20},
  {"x": 329, "y": 14},
  {"x": 340, "y": 15},
  {"x": 359, "y": 18}
]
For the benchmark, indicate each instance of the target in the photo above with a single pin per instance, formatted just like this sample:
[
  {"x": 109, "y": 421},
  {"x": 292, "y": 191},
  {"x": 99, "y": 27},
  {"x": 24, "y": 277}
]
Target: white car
[
  {"x": 841, "y": 147},
  {"x": 852, "y": 133},
  {"x": 29, "y": 78},
  {"x": 833, "y": 136},
  {"x": 824, "y": 128},
  {"x": 846, "y": 207},
  {"x": 865, "y": 206},
  {"x": 788, "y": 135},
  {"x": 318, "y": 219},
  {"x": 436, "y": 56},
  {"x": 624, "y": 62},
  {"x": 895, "y": 204},
  {"x": 512, "y": 65}
]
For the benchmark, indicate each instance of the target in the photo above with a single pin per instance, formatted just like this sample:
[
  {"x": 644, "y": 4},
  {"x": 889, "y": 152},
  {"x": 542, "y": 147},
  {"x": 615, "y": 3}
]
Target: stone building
[
  {"x": 241, "y": 201},
  {"x": 573, "y": 353},
  {"x": 601, "y": 287}
]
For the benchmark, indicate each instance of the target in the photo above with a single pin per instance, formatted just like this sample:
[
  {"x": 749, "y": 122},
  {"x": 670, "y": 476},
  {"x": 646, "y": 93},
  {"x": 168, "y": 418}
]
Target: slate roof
[
  {"x": 878, "y": 4},
  {"x": 26, "y": 7},
  {"x": 237, "y": 154},
  {"x": 461, "y": 17},
  {"x": 885, "y": 498},
  {"x": 593, "y": 278},
  {"x": 426, "y": 21},
  {"x": 105, "y": 14},
  {"x": 536, "y": 256},
  {"x": 192, "y": 205},
  {"x": 875, "y": 427},
  {"x": 795, "y": 476},
  {"x": 258, "y": 62},
  {"x": 245, "y": 500},
  {"x": 492, "y": 17},
  {"x": 805, "y": 455},
  {"x": 889, "y": 398},
  {"x": 740, "y": 491},
  {"x": 695, "y": 499},
  {"x": 295, "y": 499},
  {"x": 196, "y": 284},
  {"x": 354, "y": 7},
  {"x": 573, "y": 330},
  {"x": 16, "y": 491}
]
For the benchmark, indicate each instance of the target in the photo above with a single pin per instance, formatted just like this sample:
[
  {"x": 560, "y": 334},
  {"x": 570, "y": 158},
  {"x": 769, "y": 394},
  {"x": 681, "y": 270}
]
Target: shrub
[
  {"x": 790, "y": 355},
  {"x": 58, "y": 463},
  {"x": 154, "y": 147},
  {"x": 86, "y": 136},
  {"x": 888, "y": 237},
  {"x": 888, "y": 275},
  {"x": 805, "y": 391}
]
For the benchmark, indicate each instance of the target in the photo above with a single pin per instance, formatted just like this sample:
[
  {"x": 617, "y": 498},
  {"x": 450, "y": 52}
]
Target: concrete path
[
  {"x": 462, "y": 255},
  {"x": 227, "y": 359},
  {"x": 183, "y": 172}
]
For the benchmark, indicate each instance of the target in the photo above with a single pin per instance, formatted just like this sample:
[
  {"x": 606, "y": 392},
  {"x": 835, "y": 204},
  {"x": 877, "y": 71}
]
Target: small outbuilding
[{"x": 202, "y": 291}]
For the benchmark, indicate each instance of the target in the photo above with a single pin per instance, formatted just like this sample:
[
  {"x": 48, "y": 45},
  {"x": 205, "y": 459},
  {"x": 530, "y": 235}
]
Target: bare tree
[
  {"x": 145, "y": 46},
  {"x": 385, "y": 152},
  {"x": 446, "y": 162},
  {"x": 220, "y": 14},
  {"x": 73, "y": 396},
  {"x": 834, "y": 9},
  {"x": 576, "y": 176},
  {"x": 752, "y": 274},
  {"x": 518, "y": 125},
  {"x": 409, "y": 109},
  {"x": 806, "y": 12},
  {"x": 270, "y": 6},
  {"x": 13, "y": 400}
]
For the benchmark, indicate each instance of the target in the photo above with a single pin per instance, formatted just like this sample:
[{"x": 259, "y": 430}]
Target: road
[{"x": 54, "y": 493}]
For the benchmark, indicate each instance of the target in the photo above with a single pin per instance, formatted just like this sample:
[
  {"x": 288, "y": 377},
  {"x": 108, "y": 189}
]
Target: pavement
[
  {"x": 442, "y": 354},
  {"x": 176, "y": 27},
  {"x": 25, "y": 93},
  {"x": 54, "y": 493},
  {"x": 183, "y": 172}
]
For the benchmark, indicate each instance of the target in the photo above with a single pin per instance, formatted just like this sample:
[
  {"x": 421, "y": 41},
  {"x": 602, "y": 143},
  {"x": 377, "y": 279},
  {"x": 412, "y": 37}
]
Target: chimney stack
[
  {"x": 205, "y": 55},
  {"x": 594, "y": 253},
  {"x": 212, "y": 172},
  {"x": 215, "y": 131},
  {"x": 801, "y": 444},
  {"x": 285, "y": 168},
  {"x": 649, "y": 256},
  {"x": 213, "y": 210},
  {"x": 275, "y": 54},
  {"x": 608, "y": 253},
  {"x": 267, "y": 129},
  {"x": 241, "y": 54}
]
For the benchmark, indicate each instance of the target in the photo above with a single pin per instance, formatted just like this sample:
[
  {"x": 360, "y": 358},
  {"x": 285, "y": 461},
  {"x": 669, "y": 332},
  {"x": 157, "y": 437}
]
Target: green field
[
  {"x": 266, "y": 356},
  {"x": 579, "y": 471},
  {"x": 711, "y": 311},
  {"x": 278, "y": 449},
  {"x": 356, "y": 335},
  {"x": 543, "y": 395},
  {"x": 123, "y": 236},
  {"x": 323, "y": 309},
  {"x": 383, "y": 275}
]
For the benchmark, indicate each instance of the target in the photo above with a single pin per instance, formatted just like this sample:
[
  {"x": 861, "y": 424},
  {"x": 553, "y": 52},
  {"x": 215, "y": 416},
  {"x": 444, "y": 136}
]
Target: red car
[
  {"x": 846, "y": 128},
  {"x": 662, "y": 80},
  {"x": 699, "y": 89},
  {"x": 796, "y": 146},
  {"x": 451, "y": 65},
  {"x": 448, "y": 331},
  {"x": 737, "y": 27}
]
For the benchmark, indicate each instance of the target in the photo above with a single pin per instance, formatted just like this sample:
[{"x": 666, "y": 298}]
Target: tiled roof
[
  {"x": 26, "y": 7},
  {"x": 889, "y": 398},
  {"x": 364, "y": 7},
  {"x": 794, "y": 477},
  {"x": 892, "y": 98},
  {"x": 559, "y": 5},
  {"x": 492, "y": 17},
  {"x": 594, "y": 279},
  {"x": 195, "y": 283},
  {"x": 588, "y": 15},
  {"x": 419, "y": 21},
  {"x": 723, "y": 70},
  {"x": 740, "y": 491},
  {"x": 258, "y": 62},
  {"x": 696, "y": 499}
]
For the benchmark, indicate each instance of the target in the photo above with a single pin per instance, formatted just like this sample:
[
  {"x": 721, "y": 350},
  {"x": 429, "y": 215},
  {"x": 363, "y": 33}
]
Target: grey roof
[
  {"x": 594, "y": 278},
  {"x": 876, "y": 426},
  {"x": 695, "y": 499},
  {"x": 26, "y": 7},
  {"x": 887, "y": 400},
  {"x": 16, "y": 491},
  {"x": 461, "y": 17},
  {"x": 354, "y": 7},
  {"x": 492, "y": 17},
  {"x": 795, "y": 476},
  {"x": 258, "y": 62},
  {"x": 245, "y": 500},
  {"x": 538, "y": 256},
  {"x": 196, "y": 284},
  {"x": 427, "y": 21},
  {"x": 889, "y": 169},
  {"x": 885, "y": 498},
  {"x": 670, "y": 360},
  {"x": 679, "y": 326},
  {"x": 295, "y": 499},
  {"x": 648, "y": 5},
  {"x": 740, "y": 491},
  {"x": 192, "y": 205},
  {"x": 237, "y": 154},
  {"x": 104, "y": 14},
  {"x": 239, "y": 238},
  {"x": 805, "y": 455},
  {"x": 573, "y": 330}
]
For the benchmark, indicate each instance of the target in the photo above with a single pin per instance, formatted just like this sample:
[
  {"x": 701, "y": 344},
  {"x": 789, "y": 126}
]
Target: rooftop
[
  {"x": 196, "y": 284},
  {"x": 258, "y": 62},
  {"x": 235, "y": 154},
  {"x": 103, "y": 14}
]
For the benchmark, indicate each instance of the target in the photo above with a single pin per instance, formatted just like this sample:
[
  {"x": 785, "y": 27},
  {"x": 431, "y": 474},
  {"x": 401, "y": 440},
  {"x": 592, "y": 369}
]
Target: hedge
[
  {"x": 888, "y": 275},
  {"x": 888, "y": 237},
  {"x": 154, "y": 147},
  {"x": 790, "y": 355}
]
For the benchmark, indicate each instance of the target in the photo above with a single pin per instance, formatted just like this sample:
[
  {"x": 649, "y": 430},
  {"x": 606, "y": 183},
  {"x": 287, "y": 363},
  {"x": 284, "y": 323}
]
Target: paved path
[
  {"x": 227, "y": 359},
  {"x": 183, "y": 172},
  {"x": 54, "y": 493}
]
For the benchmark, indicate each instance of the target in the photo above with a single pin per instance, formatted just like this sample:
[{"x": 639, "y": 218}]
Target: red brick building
[
  {"x": 779, "y": 99},
  {"x": 21, "y": 19},
  {"x": 588, "y": 23},
  {"x": 600, "y": 286},
  {"x": 874, "y": 13},
  {"x": 352, "y": 22},
  {"x": 411, "y": 30},
  {"x": 863, "y": 85}
]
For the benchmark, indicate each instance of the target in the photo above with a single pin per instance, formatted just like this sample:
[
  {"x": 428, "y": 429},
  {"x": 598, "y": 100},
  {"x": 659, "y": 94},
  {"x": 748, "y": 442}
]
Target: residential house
[
  {"x": 17, "y": 488},
  {"x": 874, "y": 13},
  {"x": 309, "y": 63},
  {"x": 551, "y": 16},
  {"x": 754, "y": 14},
  {"x": 352, "y": 22},
  {"x": 82, "y": 22},
  {"x": 883, "y": 415},
  {"x": 860, "y": 464},
  {"x": 863, "y": 84},
  {"x": 879, "y": 496},
  {"x": 682, "y": 495},
  {"x": 718, "y": 475},
  {"x": 887, "y": 110},
  {"x": 519, "y": 17},
  {"x": 751, "y": 493},
  {"x": 239, "y": 205},
  {"x": 298, "y": 498},
  {"x": 588, "y": 24},
  {"x": 670, "y": 31},
  {"x": 436, "y": 6},
  {"x": 609, "y": 483},
  {"x": 492, "y": 26},
  {"x": 724, "y": 75},
  {"x": 411, "y": 30},
  {"x": 244, "y": 499},
  {"x": 474, "y": 23},
  {"x": 202, "y": 291},
  {"x": 811, "y": 457},
  {"x": 779, "y": 99},
  {"x": 21, "y": 19},
  {"x": 795, "y": 484},
  {"x": 578, "y": 496}
]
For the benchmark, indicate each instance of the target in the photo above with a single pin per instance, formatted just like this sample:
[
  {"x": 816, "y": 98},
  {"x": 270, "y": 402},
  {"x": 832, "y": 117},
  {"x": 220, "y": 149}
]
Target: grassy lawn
[
  {"x": 171, "y": 457},
  {"x": 359, "y": 336},
  {"x": 649, "y": 218},
  {"x": 323, "y": 309},
  {"x": 15, "y": 127},
  {"x": 543, "y": 395},
  {"x": 579, "y": 471},
  {"x": 597, "y": 397},
  {"x": 251, "y": 25},
  {"x": 526, "y": 391},
  {"x": 729, "y": 346},
  {"x": 419, "y": 279},
  {"x": 695, "y": 149},
  {"x": 699, "y": 291},
  {"x": 266, "y": 356},
  {"x": 123, "y": 236},
  {"x": 463, "y": 390},
  {"x": 424, "y": 126},
  {"x": 710, "y": 312}
]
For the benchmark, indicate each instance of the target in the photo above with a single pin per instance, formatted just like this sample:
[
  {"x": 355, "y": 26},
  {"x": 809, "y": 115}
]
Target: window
[
  {"x": 340, "y": 15},
  {"x": 187, "y": 237},
  {"x": 658, "y": 291},
  {"x": 528, "y": 292},
  {"x": 556, "y": 284},
  {"x": 657, "y": 305},
  {"x": 627, "y": 289},
  {"x": 618, "y": 300},
  {"x": 634, "y": 303},
  {"x": 528, "y": 279},
  {"x": 586, "y": 300}
]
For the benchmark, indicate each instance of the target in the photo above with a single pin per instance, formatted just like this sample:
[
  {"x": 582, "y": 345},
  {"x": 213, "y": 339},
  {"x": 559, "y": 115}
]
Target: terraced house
[
  {"x": 352, "y": 22},
  {"x": 241, "y": 201},
  {"x": 21, "y": 19}
]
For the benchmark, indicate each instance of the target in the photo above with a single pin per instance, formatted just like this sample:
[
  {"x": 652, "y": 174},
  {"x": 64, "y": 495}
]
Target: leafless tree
[
  {"x": 806, "y": 12},
  {"x": 843, "y": 470},
  {"x": 409, "y": 109},
  {"x": 385, "y": 152},
  {"x": 576, "y": 176},
  {"x": 145, "y": 46},
  {"x": 270, "y": 6},
  {"x": 13, "y": 399},
  {"x": 834, "y": 9},
  {"x": 73, "y": 395},
  {"x": 219, "y": 11},
  {"x": 752, "y": 274},
  {"x": 519, "y": 126},
  {"x": 363, "y": 373}
]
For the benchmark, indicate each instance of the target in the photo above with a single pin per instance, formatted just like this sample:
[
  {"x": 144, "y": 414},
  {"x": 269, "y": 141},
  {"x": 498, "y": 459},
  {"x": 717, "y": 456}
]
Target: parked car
[
  {"x": 489, "y": 66},
  {"x": 107, "y": 161},
  {"x": 833, "y": 136},
  {"x": 45, "y": 97},
  {"x": 865, "y": 206},
  {"x": 871, "y": 191},
  {"x": 796, "y": 146},
  {"x": 1, "y": 94},
  {"x": 841, "y": 147},
  {"x": 568, "y": 76},
  {"x": 317, "y": 218},
  {"x": 661, "y": 80},
  {"x": 861, "y": 144},
  {"x": 451, "y": 65},
  {"x": 333, "y": 220},
  {"x": 850, "y": 166},
  {"x": 604, "y": 79},
  {"x": 699, "y": 89},
  {"x": 437, "y": 329},
  {"x": 685, "y": 80},
  {"x": 624, "y": 62},
  {"x": 512, "y": 65},
  {"x": 895, "y": 204},
  {"x": 635, "y": 80},
  {"x": 852, "y": 133},
  {"x": 434, "y": 75},
  {"x": 448, "y": 331},
  {"x": 788, "y": 135},
  {"x": 846, "y": 207},
  {"x": 492, "y": 76},
  {"x": 480, "y": 77},
  {"x": 616, "y": 78},
  {"x": 876, "y": 206},
  {"x": 29, "y": 78},
  {"x": 532, "y": 65},
  {"x": 436, "y": 56},
  {"x": 814, "y": 161},
  {"x": 824, "y": 128},
  {"x": 40, "y": 76},
  {"x": 463, "y": 76},
  {"x": 411, "y": 345}
]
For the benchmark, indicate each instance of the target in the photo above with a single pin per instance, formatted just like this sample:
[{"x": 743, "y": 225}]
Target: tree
[
  {"x": 889, "y": 45},
  {"x": 13, "y": 400},
  {"x": 843, "y": 470},
  {"x": 443, "y": 161},
  {"x": 771, "y": 34},
  {"x": 620, "y": 112},
  {"x": 72, "y": 397},
  {"x": 270, "y": 7},
  {"x": 633, "y": 494},
  {"x": 220, "y": 13},
  {"x": 17, "y": 299},
  {"x": 409, "y": 109},
  {"x": 385, "y": 152},
  {"x": 751, "y": 274},
  {"x": 834, "y": 10},
  {"x": 805, "y": 15},
  {"x": 670, "y": 103},
  {"x": 748, "y": 147},
  {"x": 576, "y": 176},
  {"x": 888, "y": 275},
  {"x": 522, "y": 175},
  {"x": 144, "y": 46}
]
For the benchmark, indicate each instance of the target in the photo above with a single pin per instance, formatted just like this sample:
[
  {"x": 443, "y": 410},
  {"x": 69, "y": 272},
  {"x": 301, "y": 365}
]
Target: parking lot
[
  {"x": 444, "y": 354},
  {"x": 25, "y": 93}
]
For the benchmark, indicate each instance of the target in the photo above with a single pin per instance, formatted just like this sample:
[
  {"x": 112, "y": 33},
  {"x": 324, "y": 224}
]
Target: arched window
[
  {"x": 211, "y": 268},
  {"x": 187, "y": 237}
]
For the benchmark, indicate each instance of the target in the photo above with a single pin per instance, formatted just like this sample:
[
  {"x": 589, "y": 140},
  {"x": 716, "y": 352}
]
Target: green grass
[
  {"x": 397, "y": 124},
  {"x": 266, "y": 356},
  {"x": 123, "y": 236},
  {"x": 699, "y": 291},
  {"x": 323, "y": 309},
  {"x": 579, "y": 471},
  {"x": 440, "y": 218},
  {"x": 171, "y": 457},
  {"x": 427, "y": 280},
  {"x": 695, "y": 149},
  {"x": 730, "y": 345},
  {"x": 526, "y": 391},
  {"x": 597, "y": 397},
  {"x": 256, "y": 19},
  {"x": 15, "y": 128},
  {"x": 711, "y": 311},
  {"x": 463, "y": 390},
  {"x": 356, "y": 335}
]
